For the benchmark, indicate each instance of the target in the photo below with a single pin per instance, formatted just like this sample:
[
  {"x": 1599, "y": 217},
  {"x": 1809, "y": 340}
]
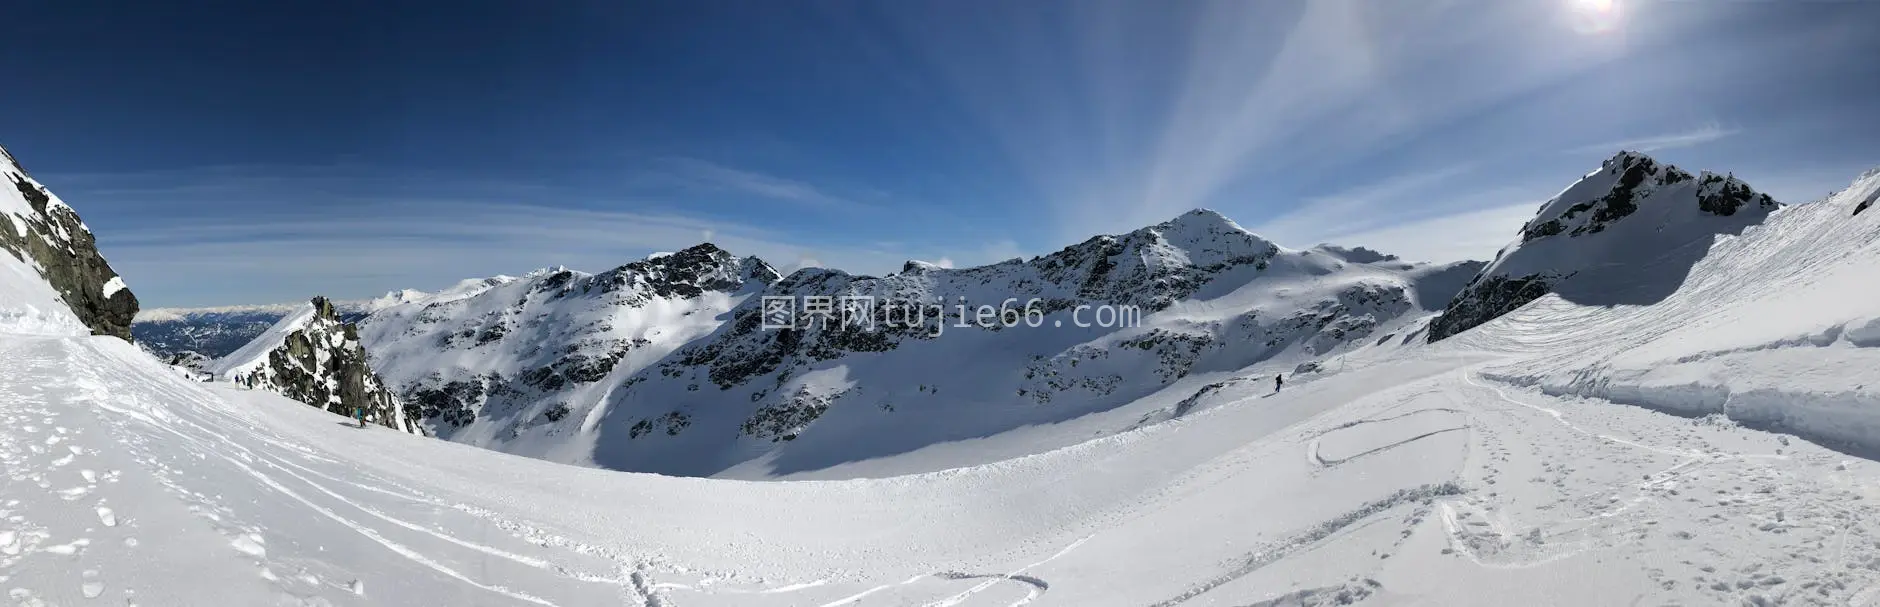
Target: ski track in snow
[{"x": 1707, "y": 511}]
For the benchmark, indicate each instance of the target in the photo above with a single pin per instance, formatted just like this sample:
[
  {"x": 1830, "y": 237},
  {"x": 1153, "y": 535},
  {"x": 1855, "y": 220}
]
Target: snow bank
[{"x": 1830, "y": 397}]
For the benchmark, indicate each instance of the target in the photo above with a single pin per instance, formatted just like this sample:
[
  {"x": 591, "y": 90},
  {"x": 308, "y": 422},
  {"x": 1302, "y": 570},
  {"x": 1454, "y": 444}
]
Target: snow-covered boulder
[
  {"x": 314, "y": 357},
  {"x": 1624, "y": 234},
  {"x": 49, "y": 264}
]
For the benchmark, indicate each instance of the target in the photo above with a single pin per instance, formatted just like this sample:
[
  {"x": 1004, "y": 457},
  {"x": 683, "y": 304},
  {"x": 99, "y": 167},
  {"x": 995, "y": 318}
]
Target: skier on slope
[
  {"x": 359, "y": 413},
  {"x": 1277, "y": 382}
]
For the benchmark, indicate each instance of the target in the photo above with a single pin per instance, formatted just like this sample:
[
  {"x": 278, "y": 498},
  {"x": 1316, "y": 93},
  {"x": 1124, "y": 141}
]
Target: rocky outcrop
[
  {"x": 38, "y": 229},
  {"x": 315, "y": 357},
  {"x": 1488, "y": 298},
  {"x": 1590, "y": 234}
]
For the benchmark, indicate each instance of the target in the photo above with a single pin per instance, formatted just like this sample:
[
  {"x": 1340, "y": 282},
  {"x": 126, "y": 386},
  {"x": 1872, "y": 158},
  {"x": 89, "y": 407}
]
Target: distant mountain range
[{"x": 668, "y": 364}]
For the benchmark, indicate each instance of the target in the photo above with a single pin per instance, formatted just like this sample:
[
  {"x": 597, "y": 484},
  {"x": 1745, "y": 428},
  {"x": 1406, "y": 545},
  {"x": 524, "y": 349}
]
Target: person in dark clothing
[{"x": 1277, "y": 382}]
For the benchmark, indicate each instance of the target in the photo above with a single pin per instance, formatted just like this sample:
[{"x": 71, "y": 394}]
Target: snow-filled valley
[{"x": 1643, "y": 400}]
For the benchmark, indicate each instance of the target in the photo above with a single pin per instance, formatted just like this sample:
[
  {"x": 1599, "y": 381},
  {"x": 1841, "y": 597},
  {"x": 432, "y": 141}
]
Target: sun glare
[
  {"x": 1596, "y": 16},
  {"x": 1596, "y": 6}
]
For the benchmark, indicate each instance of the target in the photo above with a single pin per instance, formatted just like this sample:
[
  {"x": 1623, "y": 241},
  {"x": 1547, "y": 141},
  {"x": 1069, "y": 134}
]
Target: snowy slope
[
  {"x": 52, "y": 279},
  {"x": 1777, "y": 327},
  {"x": 689, "y": 383},
  {"x": 314, "y": 357},
  {"x": 1415, "y": 482},
  {"x": 1499, "y": 466},
  {"x": 1586, "y": 243}
]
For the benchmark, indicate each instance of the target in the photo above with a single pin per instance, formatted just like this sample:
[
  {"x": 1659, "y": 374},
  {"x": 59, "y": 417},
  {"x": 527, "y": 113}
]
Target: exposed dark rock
[
  {"x": 1723, "y": 195},
  {"x": 67, "y": 257},
  {"x": 1487, "y": 299},
  {"x": 322, "y": 364}
]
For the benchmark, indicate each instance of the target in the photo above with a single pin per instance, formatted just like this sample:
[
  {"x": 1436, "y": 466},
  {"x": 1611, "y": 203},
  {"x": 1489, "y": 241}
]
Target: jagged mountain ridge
[
  {"x": 313, "y": 356},
  {"x": 657, "y": 378},
  {"x": 518, "y": 345},
  {"x": 1623, "y": 234},
  {"x": 54, "y": 248}
]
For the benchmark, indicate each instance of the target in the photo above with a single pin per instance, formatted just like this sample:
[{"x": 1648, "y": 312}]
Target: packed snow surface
[{"x": 1561, "y": 454}]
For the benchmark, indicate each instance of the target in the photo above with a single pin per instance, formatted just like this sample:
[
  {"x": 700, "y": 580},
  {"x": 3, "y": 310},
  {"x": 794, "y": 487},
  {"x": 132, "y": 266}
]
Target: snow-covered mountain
[
  {"x": 314, "y": 357},
  {"x": 49, "y": 264},
  {"x": 214, "y": 332},
  {"x": 665, "y": 364},
  {"x": 1622, "y": 235},
  {"x": 489, "y": 358},
  {"x": 1711, "y": 444}
]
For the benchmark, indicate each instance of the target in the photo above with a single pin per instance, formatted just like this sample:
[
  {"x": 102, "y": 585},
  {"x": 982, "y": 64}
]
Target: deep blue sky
[{"x": 260, "y": 152}]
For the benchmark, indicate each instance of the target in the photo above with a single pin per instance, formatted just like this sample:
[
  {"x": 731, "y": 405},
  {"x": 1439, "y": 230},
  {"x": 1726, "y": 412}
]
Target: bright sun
[
  {"x": 1596, "y": 6},
  {"x": 1596, "y": 16}
]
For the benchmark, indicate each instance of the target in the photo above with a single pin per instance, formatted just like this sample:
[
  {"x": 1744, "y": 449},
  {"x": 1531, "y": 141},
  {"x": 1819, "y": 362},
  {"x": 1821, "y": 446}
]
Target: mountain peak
[
  {"x": 703, "y": 248},
  {"x": 1200, "y": 220},
  {"x": 1586, "y": 241},
  {"x": 323, "y": 308},
  {"x": 1626, "y": 158}
]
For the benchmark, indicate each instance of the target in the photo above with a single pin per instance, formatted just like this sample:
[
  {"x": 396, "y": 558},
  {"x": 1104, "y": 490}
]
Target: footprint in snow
[{"x": 92, "y": 586}]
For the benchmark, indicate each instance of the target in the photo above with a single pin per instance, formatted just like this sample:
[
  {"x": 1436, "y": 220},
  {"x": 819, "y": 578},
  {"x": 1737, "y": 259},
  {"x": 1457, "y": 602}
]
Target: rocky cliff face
[
  {"x": 1622, "y": 234},
  {"x": 314, "y": 357},
  {"x": 39, "y": 230}
]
